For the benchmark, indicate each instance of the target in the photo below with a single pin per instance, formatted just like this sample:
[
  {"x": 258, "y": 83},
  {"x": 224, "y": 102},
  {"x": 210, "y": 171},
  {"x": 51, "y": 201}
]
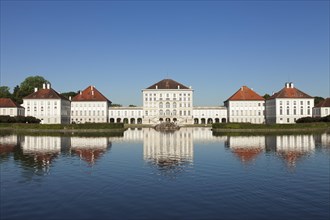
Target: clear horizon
[{"x": 123, "y": 47}]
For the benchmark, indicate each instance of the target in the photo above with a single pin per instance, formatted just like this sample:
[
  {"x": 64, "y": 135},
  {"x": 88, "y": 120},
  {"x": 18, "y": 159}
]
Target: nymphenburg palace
[{"x": 166, "y": 100}]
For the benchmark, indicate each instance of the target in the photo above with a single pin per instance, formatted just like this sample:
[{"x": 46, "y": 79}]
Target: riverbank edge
[{"x": 271, "y": 130}]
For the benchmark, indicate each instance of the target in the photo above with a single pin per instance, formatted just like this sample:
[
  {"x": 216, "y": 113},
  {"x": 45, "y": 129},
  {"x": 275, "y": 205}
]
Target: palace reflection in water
[{"x": 166, "y": 151}]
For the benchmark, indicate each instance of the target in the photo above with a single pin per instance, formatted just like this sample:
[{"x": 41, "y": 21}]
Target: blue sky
[{"x": 122, "y": 47}]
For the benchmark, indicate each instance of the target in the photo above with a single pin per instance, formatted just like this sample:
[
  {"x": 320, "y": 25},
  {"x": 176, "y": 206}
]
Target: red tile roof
[
  {"x": 45, "y": 94},
  {"x": 324, "y": 103},
  {"x": 247, "y": 154},
  {"x": 90, "y": 94},
  {"x": 290, "y": 92},
  {"x": 89, "y": 155},
  {"x": 245, "y": 94},
  {"x": 167, "y": 84},
  {"x": 8, "y": 103}
]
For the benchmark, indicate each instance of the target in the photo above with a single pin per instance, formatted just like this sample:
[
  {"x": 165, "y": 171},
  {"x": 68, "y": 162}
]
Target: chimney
[
  {"x": 92, "y": 88},
  {"x": 35, "y": 89},
  {"x": 44, "y": 85},
  {"x": 287, "y": 85},
  {"x": 242, "y": 88},
  {"x": 178, "y": 86},
  {"x": 48, "y": 85},
  {"x": 156, "y": 86},
  {"x": 80, "y": 92},
  {"x": 190, "y": 87},
  {"x": 92, "y": 92},
  {"x": 70, "y": 98},
  {"x": 291, "y": 85}
]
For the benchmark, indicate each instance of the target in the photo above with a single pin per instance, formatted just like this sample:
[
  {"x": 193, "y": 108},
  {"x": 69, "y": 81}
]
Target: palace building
[
  {"x": 288, "y": 105},
  {"x": 48, "y": 106},
  {"x": 11, "y": 108},
  {"x": 167, "y": 100},
  {"x": 246, "y": 106},
  {"x": 90, "y": 106},
  {"x": 322, "y": 109},
  {"x": 170, "y": 101}
]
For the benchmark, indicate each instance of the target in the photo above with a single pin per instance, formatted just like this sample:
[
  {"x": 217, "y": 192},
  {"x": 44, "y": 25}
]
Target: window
[
  {"x": 287, "y": 110},
  {"x": 174, "y": 104},
  {"x": 167, "y": 112},
  {"x": 301, "y": 110},
  {"x": 146, "y": 113},
  {"x": 308, "y": 102},
  {"x": 308, "y": 110},
  {"x": 294, "y": 110},
  {"x": 174, "y": 112},
  {"x": 167, "y": 105},
  {"x": 160, "y": 105},
  {"x": 161, "y": 112}
]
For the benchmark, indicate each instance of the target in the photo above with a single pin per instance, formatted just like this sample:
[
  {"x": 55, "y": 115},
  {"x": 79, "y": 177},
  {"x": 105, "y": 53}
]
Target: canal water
[{"x": 145, "y": 174}]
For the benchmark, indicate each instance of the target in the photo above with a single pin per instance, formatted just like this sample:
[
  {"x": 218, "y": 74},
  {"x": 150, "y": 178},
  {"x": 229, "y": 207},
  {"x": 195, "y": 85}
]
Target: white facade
[
  {"x": 288, "y": 105},
  {"x": 48, "y": 106},
  {"x": 128, "y": 115},
  {"x": 89, "y": 111},
  {"x": 49, "y": 111},
  {"x": 173, "y": 105},
  {"x": 209, "y": 115},
  {"x": 247, "y": 111},
  {"x": 287, "y": 111},
  {"x": 89, "y": 106},
  {"x": 12, "y": 111},
  {"x": 321, "y": 111}
]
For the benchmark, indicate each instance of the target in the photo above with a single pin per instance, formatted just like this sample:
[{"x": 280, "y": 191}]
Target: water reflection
[
  {"x": 90, "y": 149},
  {"x": 246, "y": 148},
  {"x": 170, "y": 153},
  {"x": 292, "y": 148}
]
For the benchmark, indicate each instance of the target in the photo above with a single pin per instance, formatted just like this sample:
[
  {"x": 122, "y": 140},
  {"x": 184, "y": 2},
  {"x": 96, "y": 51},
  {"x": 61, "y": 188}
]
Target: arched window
[
  {"x": 174, "y": 112},
  {"x": 160, "y": 105},
  {"x": 174, "y": 104},
  {"x": 167, "y": 105},
  {"x": 167, "y": 112},
  {"x": 160, "y": 112}
]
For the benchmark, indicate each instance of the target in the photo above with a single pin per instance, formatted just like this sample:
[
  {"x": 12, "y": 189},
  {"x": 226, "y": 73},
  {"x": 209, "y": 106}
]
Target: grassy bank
[
  {"x": 246, "y": 127},
  {"x": 89, "y": 129}
]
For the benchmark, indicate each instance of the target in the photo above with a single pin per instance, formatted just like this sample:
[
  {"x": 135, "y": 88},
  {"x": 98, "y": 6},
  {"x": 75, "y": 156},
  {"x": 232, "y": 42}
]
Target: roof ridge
[
  {"x": 245, "y": 93},
  {"x": 168, "y": 84}
]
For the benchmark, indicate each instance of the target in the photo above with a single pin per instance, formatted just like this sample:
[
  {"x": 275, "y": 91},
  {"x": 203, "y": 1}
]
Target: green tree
[
  {"x": 317, "y": 100},
  {"x": 15, "y": 95},
  {"x": 68, "y": 94},
  {"x": 266, "y": 96},
  {"x": 28, "y": 85},
  {"x": 115, "y": 105},
  {"x": 5, "y": 92},
  {"x": 132, "y": 106}
]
